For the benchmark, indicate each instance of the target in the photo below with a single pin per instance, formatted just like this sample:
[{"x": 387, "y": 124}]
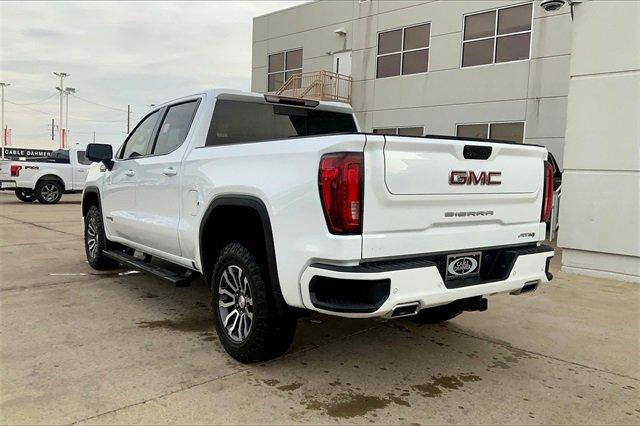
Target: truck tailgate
[
  {"x": 427, "y": 195},
  {"x": 5, "y": 169}
]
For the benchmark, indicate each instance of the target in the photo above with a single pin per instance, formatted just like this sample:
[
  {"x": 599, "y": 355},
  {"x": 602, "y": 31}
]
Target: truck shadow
[{"x": 188, "y": 310}]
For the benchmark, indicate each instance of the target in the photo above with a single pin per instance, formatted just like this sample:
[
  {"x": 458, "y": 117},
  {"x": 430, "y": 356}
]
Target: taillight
[
  {"x": 340, "y": 183},
  {"x": 547, "y": 198},
  {"x": 15, "y": 170}
]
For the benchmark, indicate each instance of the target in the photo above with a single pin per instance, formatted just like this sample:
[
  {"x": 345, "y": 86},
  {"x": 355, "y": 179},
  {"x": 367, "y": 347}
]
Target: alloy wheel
[
  {"x": 50, "y": 192},
  {"x": 235, "y": 304},
  {"x": 92, "y": 238}
]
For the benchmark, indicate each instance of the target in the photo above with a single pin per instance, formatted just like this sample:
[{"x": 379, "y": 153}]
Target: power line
[
  {"x": 72, "y": 116},
  {"x": 37, "y": 102},
  {"x": 30, "y": 109},
  {"x": 101, "y": 105},
  {"x": 97, "y": 121}
]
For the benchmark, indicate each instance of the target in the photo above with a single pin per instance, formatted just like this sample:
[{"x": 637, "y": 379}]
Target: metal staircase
[{"x": 318, "y": 85}]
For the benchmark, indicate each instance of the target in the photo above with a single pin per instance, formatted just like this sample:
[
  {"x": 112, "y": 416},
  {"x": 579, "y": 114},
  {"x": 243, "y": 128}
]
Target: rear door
[
  {"x": 119, "y": 190},
  {"x": 158, "y": 177},
  {"x": 426, "y": 195},
  {"x": 80, "y": 168}
]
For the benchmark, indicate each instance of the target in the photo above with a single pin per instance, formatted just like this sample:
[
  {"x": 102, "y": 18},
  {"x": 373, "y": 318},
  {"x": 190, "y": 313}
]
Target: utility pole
[
  {"x": 3, "y": 131},
  {"x": 94, "y": 136},
  {"x": 62, "y": 75},
  {"x": 128, "y": 117},
  {"x": 53, "y": 128},
  {"x": 68, "y": 91}
]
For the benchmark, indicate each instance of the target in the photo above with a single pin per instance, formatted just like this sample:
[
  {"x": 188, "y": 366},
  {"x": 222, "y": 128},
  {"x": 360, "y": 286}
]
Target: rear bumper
[
  {"x": 376, "y": 289},
  {"x": 8, "y": 184}
]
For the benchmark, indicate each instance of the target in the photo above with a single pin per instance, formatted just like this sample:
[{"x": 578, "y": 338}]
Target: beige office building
[{"x": 482, "y": 68}]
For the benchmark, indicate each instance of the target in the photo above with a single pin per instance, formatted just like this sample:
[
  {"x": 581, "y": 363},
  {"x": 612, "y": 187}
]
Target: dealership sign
[{"x": 26, "y": 152}]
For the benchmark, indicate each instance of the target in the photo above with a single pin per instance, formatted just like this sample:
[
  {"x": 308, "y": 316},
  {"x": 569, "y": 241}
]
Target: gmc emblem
[{"x": 463, "y": 177}]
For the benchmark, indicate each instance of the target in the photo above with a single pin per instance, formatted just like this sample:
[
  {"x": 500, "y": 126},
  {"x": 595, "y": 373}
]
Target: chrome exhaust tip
[
  {"x": 528, "y": 287},
  {"x": 405, "y": 310}
]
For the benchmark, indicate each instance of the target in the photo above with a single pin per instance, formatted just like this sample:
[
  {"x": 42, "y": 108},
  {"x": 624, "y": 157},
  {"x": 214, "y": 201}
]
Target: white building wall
[
  {"x": 534, "y": 91},
  {"x": 600, "y": 208}
]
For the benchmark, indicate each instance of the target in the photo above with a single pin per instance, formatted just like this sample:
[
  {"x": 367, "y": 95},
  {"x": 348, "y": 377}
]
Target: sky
[{"x": 119, "y": 53}]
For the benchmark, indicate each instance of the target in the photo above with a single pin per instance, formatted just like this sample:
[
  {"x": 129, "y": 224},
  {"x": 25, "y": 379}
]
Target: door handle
[
  {"x": 170, "y": 171},
  {"x": 130, "y": 172}
]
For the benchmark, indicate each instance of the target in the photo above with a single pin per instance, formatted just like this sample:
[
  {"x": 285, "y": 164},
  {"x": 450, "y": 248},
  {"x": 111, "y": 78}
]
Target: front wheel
[
  {"x": 26, "y": 195},
  {"x": 49, "y": 191},
  {"x": 95, "y": 241},
  {"x": 250, "y": 327}
]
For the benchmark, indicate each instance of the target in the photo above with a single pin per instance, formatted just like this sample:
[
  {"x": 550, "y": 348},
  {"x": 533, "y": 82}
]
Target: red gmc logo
[{"x": 464, "y": 177}]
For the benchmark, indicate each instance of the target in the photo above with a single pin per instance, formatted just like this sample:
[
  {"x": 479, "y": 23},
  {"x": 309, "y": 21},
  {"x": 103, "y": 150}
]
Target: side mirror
[{"x": 100, "y": 153}]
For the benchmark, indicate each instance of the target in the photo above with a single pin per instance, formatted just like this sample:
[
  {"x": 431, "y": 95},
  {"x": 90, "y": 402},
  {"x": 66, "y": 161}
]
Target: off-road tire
[
  {"x": 26, "y": 195},
  {"x": 48, "y": 191},
  {"x": 438, "y": 314},
  {"x": 94, "y": 229},
  {"x": 271, "y": 331}
]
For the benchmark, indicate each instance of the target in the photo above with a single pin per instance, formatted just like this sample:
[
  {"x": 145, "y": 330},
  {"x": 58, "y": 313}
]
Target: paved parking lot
[{"x": 78, "y": 346}]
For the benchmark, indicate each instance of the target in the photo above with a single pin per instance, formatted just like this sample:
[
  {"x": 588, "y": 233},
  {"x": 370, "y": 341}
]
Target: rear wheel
[
  {"x": 438, "y": 313},
  {"x": 250, "y": 327},
  {"x": 49, "y": 191},
  {"x": 26, "y": 195},
  {"x": 95, "y": 241}
]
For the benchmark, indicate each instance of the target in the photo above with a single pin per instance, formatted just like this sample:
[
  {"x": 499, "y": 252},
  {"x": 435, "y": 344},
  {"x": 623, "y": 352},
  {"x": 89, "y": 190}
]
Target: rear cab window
[
  {"x": 249, "y": 121},
  {"x": 57, "y": 156}
]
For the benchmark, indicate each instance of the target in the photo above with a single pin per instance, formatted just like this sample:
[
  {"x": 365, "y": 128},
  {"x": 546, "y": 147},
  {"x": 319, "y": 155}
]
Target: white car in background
[{"x": 46, "y": 179}]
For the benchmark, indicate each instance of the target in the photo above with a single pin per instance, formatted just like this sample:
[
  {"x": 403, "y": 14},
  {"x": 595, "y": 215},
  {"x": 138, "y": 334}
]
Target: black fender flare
[
  {"x": 258, "y": 205},
  {"x": 51, "y": 177},
  {"x": 91, "y": 190}
]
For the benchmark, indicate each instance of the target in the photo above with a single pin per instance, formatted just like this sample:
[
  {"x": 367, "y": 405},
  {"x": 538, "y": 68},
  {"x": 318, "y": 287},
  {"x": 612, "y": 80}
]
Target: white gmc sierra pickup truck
[
  {"x": 45, "y": 179},
  {"x": 284, "y": 207}
]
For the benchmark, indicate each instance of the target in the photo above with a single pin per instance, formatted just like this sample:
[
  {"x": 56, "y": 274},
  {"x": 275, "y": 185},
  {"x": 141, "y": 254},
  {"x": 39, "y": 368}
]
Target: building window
[
  {"x": 282, "y": 66},
  {"x": 511, "y": 131},
  {"x": 500, "y": 35},
  {"x": 402, "y": 131},
  {"x": 403, "y": 51}
]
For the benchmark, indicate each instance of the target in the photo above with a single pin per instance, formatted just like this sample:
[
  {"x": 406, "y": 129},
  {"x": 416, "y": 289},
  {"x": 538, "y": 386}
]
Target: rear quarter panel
[
  {"x": 283, "y": 174},
  {"x": 32, "y": 172}
]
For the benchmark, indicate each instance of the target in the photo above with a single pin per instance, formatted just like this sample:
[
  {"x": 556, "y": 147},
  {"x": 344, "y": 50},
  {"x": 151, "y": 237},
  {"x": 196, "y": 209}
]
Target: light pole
[
  {"x": 68, "y": 91},
  {"x": 3, "y": 131},
  {"x": 62, "y": 75}
]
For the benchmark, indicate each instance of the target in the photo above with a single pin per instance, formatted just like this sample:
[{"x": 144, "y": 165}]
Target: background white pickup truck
[
  {"x": 46, "y": 179},
  {"x": 284, "y": 207}
]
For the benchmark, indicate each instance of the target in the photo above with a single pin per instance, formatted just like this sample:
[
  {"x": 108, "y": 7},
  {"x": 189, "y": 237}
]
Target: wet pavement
[{"x": 79, "y": 346}]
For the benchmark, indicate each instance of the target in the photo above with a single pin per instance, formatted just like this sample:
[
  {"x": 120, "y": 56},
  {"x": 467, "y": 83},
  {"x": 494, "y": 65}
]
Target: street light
[
  {"x": 3, "y": 85},
  {"x": 62, "y": 75},
  {"x": 68, "y": 91}
]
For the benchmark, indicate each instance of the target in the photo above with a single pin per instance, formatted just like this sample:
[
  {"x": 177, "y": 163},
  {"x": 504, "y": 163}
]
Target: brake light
[
  {"x": 15, "y": 170},
  {"x": 340, "y": 184},
  {"x": 547, "y": 198}
]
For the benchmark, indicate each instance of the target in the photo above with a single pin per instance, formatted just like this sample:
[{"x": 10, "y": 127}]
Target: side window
[
  {"x": 175, "y": 127},
  {"x": 136, "y": 145},
  {"x": 82, "y": 158}
]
